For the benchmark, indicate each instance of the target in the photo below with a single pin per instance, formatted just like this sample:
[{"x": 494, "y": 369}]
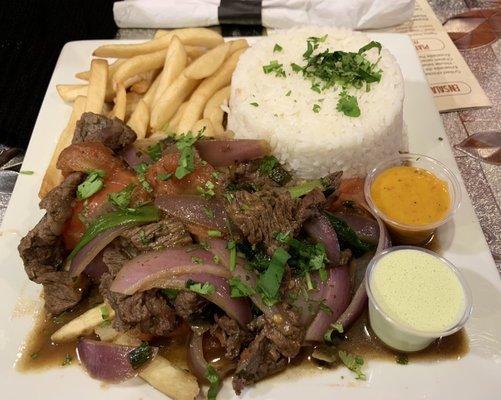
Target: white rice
[{"x": 314, "y": 144}]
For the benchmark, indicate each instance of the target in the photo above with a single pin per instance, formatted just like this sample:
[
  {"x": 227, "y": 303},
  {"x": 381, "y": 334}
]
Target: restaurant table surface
[{"x": 483, "y": 181}]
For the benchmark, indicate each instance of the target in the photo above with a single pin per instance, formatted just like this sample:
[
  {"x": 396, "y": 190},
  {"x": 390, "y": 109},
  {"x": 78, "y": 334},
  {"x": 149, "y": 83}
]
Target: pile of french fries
[{"x": 174, "y": 83}]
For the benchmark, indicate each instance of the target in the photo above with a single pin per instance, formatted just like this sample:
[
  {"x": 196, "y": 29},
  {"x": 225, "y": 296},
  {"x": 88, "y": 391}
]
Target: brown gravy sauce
[{"x": 40, "y": 353}]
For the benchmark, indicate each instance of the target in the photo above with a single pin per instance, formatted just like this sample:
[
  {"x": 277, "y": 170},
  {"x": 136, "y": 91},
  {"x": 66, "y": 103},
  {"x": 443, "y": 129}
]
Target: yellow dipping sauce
[
  {"x": 418, "y": 290},
  {"x": 410, "y": 195}
]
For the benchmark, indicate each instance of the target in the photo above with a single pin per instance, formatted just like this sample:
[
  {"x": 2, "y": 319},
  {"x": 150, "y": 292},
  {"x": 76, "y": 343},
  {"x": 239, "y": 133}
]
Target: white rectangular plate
[{"x": 477, "y": 375}]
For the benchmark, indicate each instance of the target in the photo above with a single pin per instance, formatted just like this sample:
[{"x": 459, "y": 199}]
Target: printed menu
[{"x": 451, "y": 81}]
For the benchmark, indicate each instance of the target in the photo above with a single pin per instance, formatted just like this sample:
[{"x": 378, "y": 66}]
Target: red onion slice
[
  {"x": 96, "y": 268},
  {"x": 133, "y": 156},
  {"x": 196, "y": 359},
  {"x": 107, "y": 362},
  {"x": 153, "y": 269},
  {"x": 223, "y": 153},
  {"x": 321, "y": 231},
  {"x": 197, "y": 210},
  {"x": 92, "y": 249},
  {"x": 336, "y": 296},
  {"x": 359, "y": 300},
  {"x": 219, "y": 248},
  {"x": 365, "y": 228}
]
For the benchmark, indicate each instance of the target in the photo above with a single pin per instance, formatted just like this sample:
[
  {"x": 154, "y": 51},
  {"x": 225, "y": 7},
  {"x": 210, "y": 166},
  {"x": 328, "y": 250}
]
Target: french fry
[
  {"x": 83, "y": 324},
  {"x": 213, "y": 109},
  {"x": 85, "y": 75},
  {"x": 164, "y": 376},
  {"x": 97, "y": 86},
  {"x": 204, "y": 125},
  {"x": 160, "y": 33},
  {"x": 238, "y": 45},
  {"x": 131, "y": 103},
  {"x": 70, "y": 92},
  {"x": 171, "y": 99},
  {"x": 207, "y": 64},
  {"x": 174, "y": 122},
  {"x": 150, "y": 94},
  {"x": 139, "y": 119},
  {"x": 198, "y": 100},
  {"x": 171, "y": 380},
  {"x": 120, "y": 104},
  {"x": 53, "y": 176},
  {"x": 175, "y": 62},
  {"x": 192, "y": 36},
  {"x": 137, "y": 65},
  {"x": 195, "y": 51},
  {"x": 106, "y": 332},
  {"x": 144, "y": 84}
]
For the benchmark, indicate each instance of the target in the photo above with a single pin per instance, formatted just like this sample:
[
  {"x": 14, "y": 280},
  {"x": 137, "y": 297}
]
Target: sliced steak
[
  {"x": 115, "y": 256},
  {"x": 188, "y": 303},
  {"x": 262, "y": 214},
  {"x": 231, "y": 336},
  {"x": 43, "y": 253},
  {"x": 168, "y": 232},
  {"x": 112, "y": 132},
  {"x": 148, "y": 311},
  {"x": 259, "y": 360}
]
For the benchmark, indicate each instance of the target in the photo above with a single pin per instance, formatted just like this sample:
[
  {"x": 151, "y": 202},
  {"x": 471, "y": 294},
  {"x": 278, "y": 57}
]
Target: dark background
[{"x": 32, "y": 33}]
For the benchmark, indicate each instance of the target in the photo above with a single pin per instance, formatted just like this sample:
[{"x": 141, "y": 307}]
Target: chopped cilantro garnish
[
  {"x": 353, "y": 363},
  {"x": 216, "y": 175},
  {"x": 277, "y": 48},
  {"x": 269, "y": 281},
  {"x": 440, "y": 138},
  {"x": 232, "y": 247},
  {"x": 105, "y": 313},
  {"x": 214, "y": 233},
  {"x": 296, "y": 68},
  {"x": 275, "y": 67},
  {"x": 254, "y": 104},
  {"x": 184, "y": 144},
  {"x": 91, "y": 185},
  {"x": 196, "y": 260},
  {"x": 206, "y": 288},
  {"x": 122, "y": 198},
  {"x": 288, "y": 93},
  {"x": 216, "y": 259},
  {"x": 34, "y": 355},
  {"x": 316, "y": 108},
  {"x": 209, "y": 213},
  {"x": 402, "y": 359},
  {"x": 214, "y": 382},
  {"x": 155, "y": 151},
  {"x": 68, "y": 358},
  {"x": 333, "y": 327},
  {"x": 163, "y": 176},
  {"x": 240, "y": 289},
  {"x": 141, "y": 170},
  {"x": 325, "y": 308},
  {"x": 207, "y": 190},
  {"x": 270, "y": 167},
  {"x": 170, "y": 294},
  {"x": 140, "y": 355},
  {"x": 348, "y": 105},
  {"x": 348, "y": 235},
  {"x": 26, "y": 172}
]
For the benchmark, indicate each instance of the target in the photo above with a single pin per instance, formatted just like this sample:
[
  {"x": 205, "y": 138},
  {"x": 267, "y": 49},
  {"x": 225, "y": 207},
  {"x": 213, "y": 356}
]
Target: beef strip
[
  {"x": 43, "y": 253},
  {"x": 246, "y": 176},
  {"x": 231, "y": 336},
  {"x": 112, "y": 132},
  {"x": 149, "y": 311},
  {"x": 168, "y": 232},
  {"x": 259, "y": 360},
  {"x": 188, "y": 303}
]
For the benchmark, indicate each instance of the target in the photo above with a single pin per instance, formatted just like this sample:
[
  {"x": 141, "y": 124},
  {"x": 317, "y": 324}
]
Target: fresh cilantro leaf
[
  {"x": 163, "y": 176},
  {"x": 207, "y": 190},
  {"x": 68, "y": 358},
  {"x": 91, "y": 185},
  {"x": 26, "y": 172},
  {"x": 288, "y": 93},
  {"x": 353, "y": 363},
  {"x": 214, "y": 233},
  {"x": 277, "y": 48},
  {"x": 402, "y": 359},
  {"x": 348, "y": 105},
  {"x": 269, "y": 281},
  {"x": 214, "y": 382},
  {"x": 105, "y": 313},
  {"x": 206, "y": 288},
  {"x": 296, "y": 68},
  {"x": 185, "y": 144},
  {"x": 369, "y": 46},
  {"x": 240, "y": 289},
  {"x": 196, "y": 260},
  {"x": 316, "y": 108},
  {"x": 333, "y": 327},
  {"x": 275, "y": 67},
  {"x": 155, "y": 151},
  {"x": 140, "y": 355},
  {"x": 170, "y": 294},
  {"x": 254, "y": 104},
  {"x": 122, "y": 198}
]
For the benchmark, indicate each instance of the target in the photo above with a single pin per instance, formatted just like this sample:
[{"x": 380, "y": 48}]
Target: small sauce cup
[
  {"x": 399, "y": 335},
  {"x": 407, "y": 233}
]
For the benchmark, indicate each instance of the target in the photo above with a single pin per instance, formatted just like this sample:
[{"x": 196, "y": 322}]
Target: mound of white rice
[{"x": 314, "y": 144}]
